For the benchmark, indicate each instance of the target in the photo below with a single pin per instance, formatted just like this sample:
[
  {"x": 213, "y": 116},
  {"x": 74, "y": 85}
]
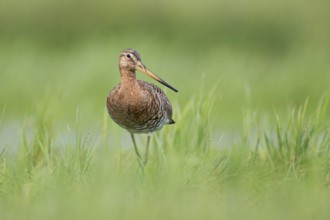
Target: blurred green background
[
  {"x": 63, "y": 54},
  {"x": 58, "y": 61}
]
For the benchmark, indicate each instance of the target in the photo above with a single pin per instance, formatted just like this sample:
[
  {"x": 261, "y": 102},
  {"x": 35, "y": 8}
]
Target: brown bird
[{"x": 138, "y": 106}]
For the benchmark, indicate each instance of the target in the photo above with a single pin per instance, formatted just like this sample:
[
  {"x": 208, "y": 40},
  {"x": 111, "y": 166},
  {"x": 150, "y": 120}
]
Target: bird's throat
[
  {"x": 127, "y": 74},
  {"x": 129, "y": 85}
]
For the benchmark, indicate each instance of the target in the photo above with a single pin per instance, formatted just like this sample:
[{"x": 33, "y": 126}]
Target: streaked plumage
[{"x": 135, "y": 105}]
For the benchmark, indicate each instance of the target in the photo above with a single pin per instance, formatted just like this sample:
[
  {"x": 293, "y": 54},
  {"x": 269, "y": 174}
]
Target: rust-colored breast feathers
[{"x": 140, "y": 108}]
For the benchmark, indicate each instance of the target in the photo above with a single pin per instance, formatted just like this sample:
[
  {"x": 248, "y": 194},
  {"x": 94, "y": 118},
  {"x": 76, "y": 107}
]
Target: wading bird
[{"x": 138, "y": 106}]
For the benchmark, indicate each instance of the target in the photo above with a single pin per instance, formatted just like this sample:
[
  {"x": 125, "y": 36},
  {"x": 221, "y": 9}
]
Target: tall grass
[
  {"x": 58, "y": 60},
  {"x": 280, "y": 171}
]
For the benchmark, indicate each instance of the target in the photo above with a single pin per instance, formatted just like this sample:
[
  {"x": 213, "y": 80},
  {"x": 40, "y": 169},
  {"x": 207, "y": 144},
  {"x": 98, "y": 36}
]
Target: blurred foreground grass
[
  {"x": 277, "y": 170},
  {"x": 247, "y": 143}
]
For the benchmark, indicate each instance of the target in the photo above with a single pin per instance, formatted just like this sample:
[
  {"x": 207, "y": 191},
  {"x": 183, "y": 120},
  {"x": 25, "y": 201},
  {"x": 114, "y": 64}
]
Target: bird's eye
[{"x": 128, "y": 56}]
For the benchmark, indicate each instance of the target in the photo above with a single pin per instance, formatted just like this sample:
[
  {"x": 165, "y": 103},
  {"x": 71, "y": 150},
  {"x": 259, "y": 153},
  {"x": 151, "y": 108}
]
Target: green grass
[
  {"x": 251, "y": 139},
  {"x": 278, "y": 170}
]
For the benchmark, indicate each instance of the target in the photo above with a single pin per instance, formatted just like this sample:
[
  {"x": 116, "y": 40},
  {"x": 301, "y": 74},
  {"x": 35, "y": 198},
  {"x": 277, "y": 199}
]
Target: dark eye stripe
[{"x": 130, "y": 56}]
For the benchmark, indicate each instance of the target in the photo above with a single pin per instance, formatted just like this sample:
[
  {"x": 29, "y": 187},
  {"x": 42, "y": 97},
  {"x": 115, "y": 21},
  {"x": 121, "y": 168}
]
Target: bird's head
[{"x": 131, "y": 60}]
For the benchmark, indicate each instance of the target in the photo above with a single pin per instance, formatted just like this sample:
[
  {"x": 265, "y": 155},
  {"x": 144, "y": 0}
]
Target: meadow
[{"x": 251, "y": 139}]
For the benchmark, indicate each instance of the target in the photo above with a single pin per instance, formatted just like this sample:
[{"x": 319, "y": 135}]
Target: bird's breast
[
  {"x": 127, "y": 108},
  {"x": 139, "y": 110}
]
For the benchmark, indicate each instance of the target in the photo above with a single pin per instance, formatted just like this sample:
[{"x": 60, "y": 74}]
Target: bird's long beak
[{"x": 141, "y": 67}]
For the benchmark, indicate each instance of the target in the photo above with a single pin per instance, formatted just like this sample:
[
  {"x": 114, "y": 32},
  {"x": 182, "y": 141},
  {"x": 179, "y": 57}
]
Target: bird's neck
[
  {"x": 128, "y": 78},
  {"x": 127, "y": 74}
]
